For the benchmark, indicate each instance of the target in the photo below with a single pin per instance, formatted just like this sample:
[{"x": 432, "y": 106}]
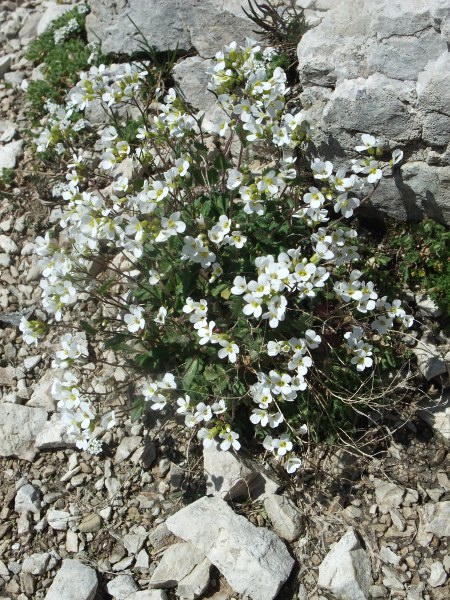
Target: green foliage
[
  {"x": 416, "y": 255},
  {"x": 6, "y": 178},
  {"x": 62, "y": 61},
  {"x": 282, "y": 28}
]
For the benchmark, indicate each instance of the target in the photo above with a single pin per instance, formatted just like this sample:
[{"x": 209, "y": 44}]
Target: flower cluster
[
  {"x": 77, "y": 412},
  {"x": 221, "y": 252},
  {"x": 61, "y": 34}
]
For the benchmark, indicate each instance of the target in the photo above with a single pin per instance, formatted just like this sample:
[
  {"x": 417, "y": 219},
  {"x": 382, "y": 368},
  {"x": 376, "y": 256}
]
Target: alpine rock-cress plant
[{"x": 243, "y": 283}]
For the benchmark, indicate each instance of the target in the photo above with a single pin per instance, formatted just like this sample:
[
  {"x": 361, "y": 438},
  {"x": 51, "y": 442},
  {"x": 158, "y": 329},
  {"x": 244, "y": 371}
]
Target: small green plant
[
  {"x": 282, "y": 28},
  {"x": 64, "y": 52},
  {"x": 416, "y": 255},
  {"x": 7, "y": 177}
]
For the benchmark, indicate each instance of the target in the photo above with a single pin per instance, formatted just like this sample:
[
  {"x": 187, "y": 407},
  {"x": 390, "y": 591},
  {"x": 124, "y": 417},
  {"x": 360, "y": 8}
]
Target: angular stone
[
  {"x": 177, "y": 561},
  {"x": 19, "y": 427},
  {"x": 135, "y": 540},
  {"x": 286, "y": 518},
  {"x": 58, "y": 519},
  {"x": 160, "y": 536},
  {"x": 42, "y": 397},
  {"x": 388, "y": 495},
  {"x": 36, "y": 564},
  {"x": 438, "y": 576},
  {"x": 148, "y": 595},
  {"x": 121, "y": 587},
  {"x": 196, "y": 583},
  {"x": 229, "y": 476},
  {"x": 252, "y": 559},
  {"x": 431, "y": 364},
  {"x": 54, "y": 434},
  {"x": 438, "y": 415},
  {"x": 126, "y": 447},
  {"x": 435, "y": 518},
  {"x": 9, "y": 153},
  {"x": 346, "y": 569},
  {"x": 73, "y": 581},
  {"x": 28, "y": 499},
  {"x": 91, "y": 523}
]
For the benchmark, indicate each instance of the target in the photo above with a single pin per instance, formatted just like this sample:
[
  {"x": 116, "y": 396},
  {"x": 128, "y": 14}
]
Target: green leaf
[
  {"x": 88, "y": 328},
  {"x": 193, "y": 368},
  {"x": 138, "y": 408}
]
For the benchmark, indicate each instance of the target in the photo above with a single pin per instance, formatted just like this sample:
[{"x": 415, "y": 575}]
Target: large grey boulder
[
  {"x": 384, "y": 68},
  {"x": 19, "y": 427},
  {"x": 346, "y": 569},
  {"x": 253, "y": 560},
  {"x": 205, "y": 25}
]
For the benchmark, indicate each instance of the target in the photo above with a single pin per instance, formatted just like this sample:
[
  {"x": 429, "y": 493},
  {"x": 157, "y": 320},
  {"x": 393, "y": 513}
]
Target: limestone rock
[
  {"x": 388, "y": 495},
  {"x": 53, "y": 11},
  {"x": 229, "y": 476},
  {"x": 42, "y": 397},
  {"x": 7, "y": 131},
  {"x": 148, "y": 595},
  {"x": 346, "y": 570},
  {"x": 380, "y": 68},
  {"x": 19, "y": 427},
  {"x": 177, "y": 561},
  {"x": 429, "y": 361},
  {"x": 9, "y": 153},
  {"x": 167, "y": 24},
  {"x": 438, "y": 415},
  {"x": 74, "y": 581},
  {"x": 196, "y": 582},
  {"x": 121, "y": 587},
  {"x": 286, "y": 518},
  {"x": 54, "y": 434},
  {"x": 36, "y": 564},
  {"x": 252, "y": 559},
  {"x": 28, "y": 499},
  {"x": 126, "y": 447},
  {"x": 438, "y": 576},
  {"x": 435, "y": 518}
]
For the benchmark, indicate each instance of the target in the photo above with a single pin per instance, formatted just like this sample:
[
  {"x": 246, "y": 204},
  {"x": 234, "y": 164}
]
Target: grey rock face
[
  {"x": 252, "y": 559},
  {"x": 346, "y": 570},
  {"x": 74, "y": 581},
  {"x": 382, "y": 68},
  {"x": 19, "y": 426},
  {"x": 167, "y": 24}
]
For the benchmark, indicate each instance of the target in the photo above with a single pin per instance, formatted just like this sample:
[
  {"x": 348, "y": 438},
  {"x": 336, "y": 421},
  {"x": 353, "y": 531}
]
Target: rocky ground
[{"x": 136, "y": 523}]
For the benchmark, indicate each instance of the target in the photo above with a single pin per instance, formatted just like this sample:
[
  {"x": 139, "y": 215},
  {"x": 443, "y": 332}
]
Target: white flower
[
  {"x": 292, "y": 464},
  {"x": 184, "y": 404},
  {"x": 203, "y": 412},
  {"x": 171, "y": 226},
  {"x": 161, "y": 316},
  {"x": 229, "y": 350},
  {"x": 230, "y": 439},
  {"x": 207, "y": 436},
  {"x": 282, "y": 444},
  {"x": 134, "y": 319}
]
